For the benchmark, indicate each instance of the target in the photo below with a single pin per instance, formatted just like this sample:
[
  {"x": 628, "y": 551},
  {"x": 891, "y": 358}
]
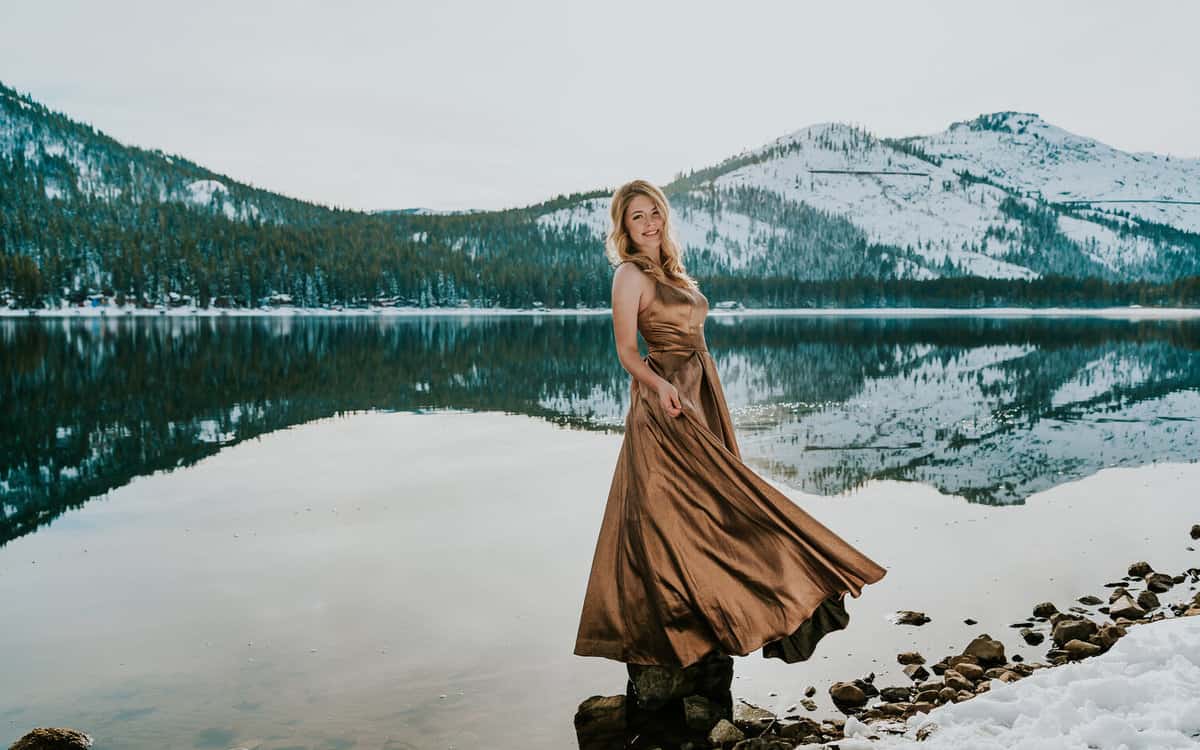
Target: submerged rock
[{"x": 908, "y": 617}]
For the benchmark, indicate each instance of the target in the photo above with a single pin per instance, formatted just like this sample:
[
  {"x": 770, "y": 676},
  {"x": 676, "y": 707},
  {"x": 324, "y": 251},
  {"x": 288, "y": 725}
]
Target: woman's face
[{"x": 644, "y": 224}]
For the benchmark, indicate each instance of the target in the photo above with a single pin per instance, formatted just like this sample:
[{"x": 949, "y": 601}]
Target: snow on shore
[
  {"x": 1143, "y": 694},
  {"x": 1128, "y": 313}
]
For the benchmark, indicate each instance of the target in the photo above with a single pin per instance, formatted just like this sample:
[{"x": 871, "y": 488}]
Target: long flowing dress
[{"x": 696, "y": 552}]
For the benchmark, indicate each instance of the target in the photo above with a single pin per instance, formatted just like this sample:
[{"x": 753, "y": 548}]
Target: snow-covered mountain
[
  {"x": 997, "y": 196},
  {"x": 1001, "y": 196},
  {"x": 75, "y": 160}
]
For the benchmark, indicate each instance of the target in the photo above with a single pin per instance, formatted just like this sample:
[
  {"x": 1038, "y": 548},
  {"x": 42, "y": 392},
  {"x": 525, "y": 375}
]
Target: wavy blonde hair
[{"x": 619, "y": 246}]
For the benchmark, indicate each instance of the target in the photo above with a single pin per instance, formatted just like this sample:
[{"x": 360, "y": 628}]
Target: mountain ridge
[{"x": 827, "y": 202}]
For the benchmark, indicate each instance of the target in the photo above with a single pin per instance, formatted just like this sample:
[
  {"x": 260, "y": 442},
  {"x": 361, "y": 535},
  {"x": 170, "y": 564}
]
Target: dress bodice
[{"x": 674, "y": 320}]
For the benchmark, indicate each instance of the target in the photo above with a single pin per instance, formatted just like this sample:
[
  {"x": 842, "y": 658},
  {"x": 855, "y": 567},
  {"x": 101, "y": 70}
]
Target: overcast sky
[{"x": 487, "y": 104}]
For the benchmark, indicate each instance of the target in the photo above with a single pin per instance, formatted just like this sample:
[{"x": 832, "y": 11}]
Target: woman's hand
[{"x": 668, "y": 398}]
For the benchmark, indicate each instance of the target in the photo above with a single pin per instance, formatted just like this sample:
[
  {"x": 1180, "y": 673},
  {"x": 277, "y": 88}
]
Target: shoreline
[{"x": 1127, "y": 313}]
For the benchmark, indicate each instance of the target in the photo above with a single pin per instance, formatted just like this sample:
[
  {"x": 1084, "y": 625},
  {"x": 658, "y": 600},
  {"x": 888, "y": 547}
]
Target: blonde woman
[{"x": 696, "y": 553}]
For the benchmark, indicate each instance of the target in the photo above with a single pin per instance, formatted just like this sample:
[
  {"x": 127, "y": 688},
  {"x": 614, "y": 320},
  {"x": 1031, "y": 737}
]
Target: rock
[
  {"x": 908, "y": 617},
  {"x": 1090, "y": 600},
  {"x": 947, "y": 694},
  {"x": 599, "y": 722},
  {"x": 1056, "y": 619},
  {"x": 1069, "y": 630},
  {"x": 1031, "y": 637},
  {"x": 801, "y": 730},
  {"x": 964, "y": 695},
  {"x": 926, "y": 730},
  {"x": 1045, "y": 609},
  {"x": 1140, "y": 570},
  {"x": 700, "y": 713},
  {"x": 809, "y": 704},
  {"x": 1196, "y": 531},
  {"x": 1077, "y": 649},
  {"x": 847, "y": 694},
  {"x": 1107, "y": 635},
  {"x": 910, "y": 657},
  {"x": 764, "y": 743},
  {"x": 1117, "y": 594},
  {"x": 970, "y": 670},
  {"x": 916, "y": 672},
  {"x": 955, "y": 680},
  {"x": 53, "y": 738},
  {"x": 895, "y": 694},
  {"x": 725, "y": 733},
  {"x": 751, "y": 718},
  {"x": 810, "y": 691},
  {"x": 986, "y": 650},
  {"x": 1148, "y": 600},
  {"x": 969, "y": 621},
  {"x": 892, "y": 709},
  {"x": 1159, "y": 582},
  {"x": 654, "y": 686},
  {"x": 954, "y": 661},
  {"x": 1126, "y": 608},
  {"x": 927, "y": 696}
]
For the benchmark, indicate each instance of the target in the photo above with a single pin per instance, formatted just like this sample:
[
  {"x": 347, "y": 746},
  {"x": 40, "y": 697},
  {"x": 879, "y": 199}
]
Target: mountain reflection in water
[{"x": 992, "y": 409}]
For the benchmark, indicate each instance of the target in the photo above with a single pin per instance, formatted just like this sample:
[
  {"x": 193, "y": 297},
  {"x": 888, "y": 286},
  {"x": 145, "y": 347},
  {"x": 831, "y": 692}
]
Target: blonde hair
[{"x": 619, "y": 246}]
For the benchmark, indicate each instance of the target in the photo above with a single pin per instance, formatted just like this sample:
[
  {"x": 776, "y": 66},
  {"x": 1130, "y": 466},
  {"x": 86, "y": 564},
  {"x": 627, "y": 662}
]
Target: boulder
[
  {"x": 599, "y": 723},
  {"x": 970, "y": 670},
  {"x": 1140, "y": 569},
  {"x": 847, "y": 694},
  {"x": 908, "y": 617},
  {"x": 702, "y": 714},
  {"x": 1069, "y": 630},
  {"x": 751, "y": 718},
  {"x": 1148, "y": 600},
  {"x": 987, "y": 651},
  {"x": 1045, "y": 609},
  {"x": 955, "y": 680},
  {"x": 1077, "y": 649},
  {"x": 725, "y": 733},
  {"x": 916, "y": 672},
  {"x": 1159, "y": 582},
  {"x": 1126, "y": 608},
  {"x": 1032, "y": 637},
  {"x": 896, "y": 694}
]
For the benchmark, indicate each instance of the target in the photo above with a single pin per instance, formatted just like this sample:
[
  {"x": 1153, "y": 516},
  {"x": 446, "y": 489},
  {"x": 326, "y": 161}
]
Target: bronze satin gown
[{"x": 696, "y": 552}]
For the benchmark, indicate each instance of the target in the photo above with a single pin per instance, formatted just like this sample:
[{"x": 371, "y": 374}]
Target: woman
[{"x": 696, "y": 552}]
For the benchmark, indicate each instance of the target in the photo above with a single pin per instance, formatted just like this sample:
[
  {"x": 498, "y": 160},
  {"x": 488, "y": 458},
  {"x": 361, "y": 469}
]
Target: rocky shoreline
[{"x": 693, "y": 708}]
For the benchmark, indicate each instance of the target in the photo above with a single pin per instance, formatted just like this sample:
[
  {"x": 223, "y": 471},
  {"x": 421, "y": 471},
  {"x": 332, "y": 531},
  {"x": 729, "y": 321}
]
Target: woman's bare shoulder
[{"x": 627, "y": 273}]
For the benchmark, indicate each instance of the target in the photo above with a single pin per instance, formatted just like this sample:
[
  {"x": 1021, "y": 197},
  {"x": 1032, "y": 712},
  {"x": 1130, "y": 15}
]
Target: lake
[{"x": 375, "y": 532}]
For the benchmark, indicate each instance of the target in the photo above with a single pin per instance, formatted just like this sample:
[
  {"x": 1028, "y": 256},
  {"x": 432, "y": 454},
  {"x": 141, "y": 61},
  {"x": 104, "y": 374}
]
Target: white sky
[{"x": 485, "y": 104}]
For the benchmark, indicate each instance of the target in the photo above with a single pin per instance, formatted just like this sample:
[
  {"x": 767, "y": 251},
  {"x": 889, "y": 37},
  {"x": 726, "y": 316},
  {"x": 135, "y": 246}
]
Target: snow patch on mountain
[{"x": 1022, "y": 151}]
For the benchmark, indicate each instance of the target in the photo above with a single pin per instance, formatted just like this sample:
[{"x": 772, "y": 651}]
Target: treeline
[{"x": 963, "y": 292}]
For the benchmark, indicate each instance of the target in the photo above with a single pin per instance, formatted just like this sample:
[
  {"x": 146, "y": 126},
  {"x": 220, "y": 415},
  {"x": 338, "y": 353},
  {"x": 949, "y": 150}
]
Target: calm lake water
[{"x": 360, "y": 532}]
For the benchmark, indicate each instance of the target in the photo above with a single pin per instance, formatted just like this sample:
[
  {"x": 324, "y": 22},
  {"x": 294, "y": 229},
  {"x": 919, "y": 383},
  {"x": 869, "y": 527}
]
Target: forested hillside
[{"x": 81, "y": 214}]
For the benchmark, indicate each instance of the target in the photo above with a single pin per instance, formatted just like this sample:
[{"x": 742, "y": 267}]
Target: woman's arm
[{"x": 629, "y": 283}]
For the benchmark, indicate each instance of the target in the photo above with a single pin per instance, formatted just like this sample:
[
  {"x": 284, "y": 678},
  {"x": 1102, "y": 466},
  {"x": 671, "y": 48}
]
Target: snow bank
[{"x": 1143, "y": 693}]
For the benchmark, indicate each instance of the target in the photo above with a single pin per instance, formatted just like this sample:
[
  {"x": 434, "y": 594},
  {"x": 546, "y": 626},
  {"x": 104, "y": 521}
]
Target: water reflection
[{"x": 992, "y": 409}]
